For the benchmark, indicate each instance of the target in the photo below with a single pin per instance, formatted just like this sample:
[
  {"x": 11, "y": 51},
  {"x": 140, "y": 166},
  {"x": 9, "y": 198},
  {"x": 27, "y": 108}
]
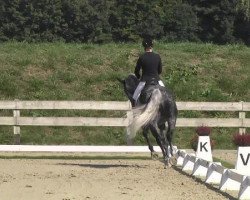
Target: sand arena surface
[{"x": 40, "y": 179}]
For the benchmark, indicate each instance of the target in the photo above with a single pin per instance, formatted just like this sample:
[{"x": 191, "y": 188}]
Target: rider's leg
[{"x": 138, "y": 91}]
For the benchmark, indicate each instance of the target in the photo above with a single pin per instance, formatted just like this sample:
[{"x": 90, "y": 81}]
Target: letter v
[{"x": 243, "y": 160}]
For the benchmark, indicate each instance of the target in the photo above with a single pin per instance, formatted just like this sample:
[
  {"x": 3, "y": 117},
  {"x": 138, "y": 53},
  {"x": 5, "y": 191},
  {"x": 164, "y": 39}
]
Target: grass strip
[{"x": 224, "y": 163}]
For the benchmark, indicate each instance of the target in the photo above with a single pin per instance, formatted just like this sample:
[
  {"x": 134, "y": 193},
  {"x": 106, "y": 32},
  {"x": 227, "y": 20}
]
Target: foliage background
[{"x": 98, "y": 21}]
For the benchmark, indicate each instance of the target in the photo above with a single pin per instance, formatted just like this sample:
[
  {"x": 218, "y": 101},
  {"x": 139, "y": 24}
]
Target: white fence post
[
  {"x": 242, "y": 116},
  {"x": 16, "y": 114},
  {"x": 128, "y": 137}
]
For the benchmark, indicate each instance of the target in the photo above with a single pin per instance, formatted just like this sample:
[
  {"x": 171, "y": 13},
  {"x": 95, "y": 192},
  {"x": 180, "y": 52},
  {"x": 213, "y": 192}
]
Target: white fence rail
[
  {"x": 17, "y": 120},
  {"x": 119, "y": 105}
]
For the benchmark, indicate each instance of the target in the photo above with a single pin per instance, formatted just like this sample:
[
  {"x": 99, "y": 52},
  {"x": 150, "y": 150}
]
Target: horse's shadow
[{"x": 102, "y": 166}]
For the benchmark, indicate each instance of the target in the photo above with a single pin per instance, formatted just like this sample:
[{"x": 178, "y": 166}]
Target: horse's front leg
[{"x": 150, "y": 146}]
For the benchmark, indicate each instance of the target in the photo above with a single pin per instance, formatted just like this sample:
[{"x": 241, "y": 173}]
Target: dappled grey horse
[{"x": 156, "y": 106}]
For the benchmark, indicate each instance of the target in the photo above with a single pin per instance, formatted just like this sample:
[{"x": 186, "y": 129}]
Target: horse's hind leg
[
  {"x": 150, "y": 146},
  {"x": 158, "y": 139},
  {"x": 162, "y": 128},
  {"x": 168, "y": 159},
  {"x": 171, "y": 127}
]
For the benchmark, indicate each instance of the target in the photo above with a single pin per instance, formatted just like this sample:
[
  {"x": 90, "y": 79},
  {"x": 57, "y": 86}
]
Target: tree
[
  {"x": 149, "y": 21},
  {"x": 184, "y": 23},
  {"x": 243, "y": 6},
  {"x": 131, "y": 20},
  {"x": 11, "y": 20},
  {"x": 122, "y": 20},
  {"x": 216, "y": 19},
  {"x": 242, "y": 22},
  {"x": 102, "y": 31},
  {"x": 85, "y": 21},
  {"x": 45, "y": 19}
]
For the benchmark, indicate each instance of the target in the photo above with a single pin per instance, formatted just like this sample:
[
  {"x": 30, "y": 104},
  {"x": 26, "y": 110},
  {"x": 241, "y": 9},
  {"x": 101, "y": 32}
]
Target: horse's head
[{"x": 129, "y": 84}]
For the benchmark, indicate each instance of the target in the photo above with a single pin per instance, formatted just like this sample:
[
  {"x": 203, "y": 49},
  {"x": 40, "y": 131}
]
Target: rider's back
[{"x": 151, "y": 66}]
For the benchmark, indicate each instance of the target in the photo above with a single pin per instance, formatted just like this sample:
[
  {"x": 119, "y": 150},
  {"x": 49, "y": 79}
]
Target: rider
[{"x": 151, "y": 66}]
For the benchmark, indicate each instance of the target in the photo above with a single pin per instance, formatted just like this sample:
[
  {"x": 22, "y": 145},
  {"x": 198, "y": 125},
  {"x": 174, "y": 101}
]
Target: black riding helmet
[{"x": 147, "y": 43}]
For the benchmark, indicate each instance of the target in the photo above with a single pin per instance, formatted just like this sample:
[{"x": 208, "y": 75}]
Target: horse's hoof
[
  {"x": 167, "y": 163},
  {"x": 154, "y": 156},
  {"x": 167, "y": 166},
  {"x": 173, "y": 160}
]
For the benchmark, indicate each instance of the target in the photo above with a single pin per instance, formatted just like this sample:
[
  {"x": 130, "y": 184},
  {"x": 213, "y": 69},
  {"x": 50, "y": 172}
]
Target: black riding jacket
[{"x": 151, "y": 66}]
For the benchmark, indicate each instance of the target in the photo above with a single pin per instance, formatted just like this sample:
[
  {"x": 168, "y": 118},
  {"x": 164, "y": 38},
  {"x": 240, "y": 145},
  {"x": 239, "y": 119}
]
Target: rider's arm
[
  {"x": 138, "y": 68},
  {"x": 160, "y": 67}
]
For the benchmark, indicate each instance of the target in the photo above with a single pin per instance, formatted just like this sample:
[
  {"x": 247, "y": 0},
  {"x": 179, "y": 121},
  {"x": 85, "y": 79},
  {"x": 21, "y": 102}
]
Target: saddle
[{"x": 147, "y": 90}]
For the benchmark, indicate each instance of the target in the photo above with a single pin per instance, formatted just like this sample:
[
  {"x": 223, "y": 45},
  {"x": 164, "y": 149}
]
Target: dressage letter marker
[
  {"x": 204, "y": 148},
  {"x": 243, "y": 160}
]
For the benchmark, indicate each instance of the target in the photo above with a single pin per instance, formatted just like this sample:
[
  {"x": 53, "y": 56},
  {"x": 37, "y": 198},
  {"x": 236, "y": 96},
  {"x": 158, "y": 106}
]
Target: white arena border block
[
  {"x": 214, "y": 173},
  {"x": 244, "y": 192},
  {"x": 188, "y": 163},
  {"x": 200, "y": 168},
  {"x": 180, "y": 155},
  {"x": 231, "y": 180}
]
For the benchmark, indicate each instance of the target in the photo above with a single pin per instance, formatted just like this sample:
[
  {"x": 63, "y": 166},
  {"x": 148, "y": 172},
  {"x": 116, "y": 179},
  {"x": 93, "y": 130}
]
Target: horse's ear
[{"x": 121, "y": 80}]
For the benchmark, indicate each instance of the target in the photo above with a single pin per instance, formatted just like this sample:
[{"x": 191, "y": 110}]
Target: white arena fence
[
  {"x": 212, "y": 172},
  {"x": 18, "y": 121}
]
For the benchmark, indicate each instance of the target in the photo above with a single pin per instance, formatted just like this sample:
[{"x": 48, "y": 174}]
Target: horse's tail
[{"x": 143, "y": 115}]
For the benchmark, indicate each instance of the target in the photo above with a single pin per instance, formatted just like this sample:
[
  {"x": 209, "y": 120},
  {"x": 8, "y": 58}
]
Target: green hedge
[{"x": 101, "y": 21}]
